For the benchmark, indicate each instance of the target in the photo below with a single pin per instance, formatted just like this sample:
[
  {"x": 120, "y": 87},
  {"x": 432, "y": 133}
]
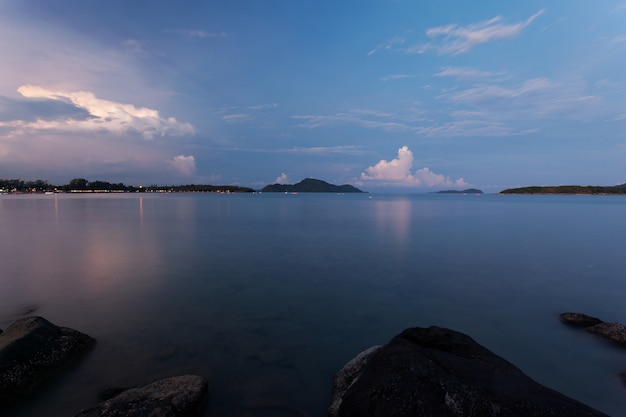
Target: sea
[{"x": 268, "y": 295}]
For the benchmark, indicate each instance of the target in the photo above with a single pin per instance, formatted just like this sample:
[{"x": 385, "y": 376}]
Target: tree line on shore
[{"x": 83, "y": 185}]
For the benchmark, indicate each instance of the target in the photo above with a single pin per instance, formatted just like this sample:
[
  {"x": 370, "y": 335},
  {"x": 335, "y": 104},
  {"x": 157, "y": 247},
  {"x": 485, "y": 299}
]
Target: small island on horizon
[
  {"x": 310, "y": 185},
  {"x": 468, "y": 191}
]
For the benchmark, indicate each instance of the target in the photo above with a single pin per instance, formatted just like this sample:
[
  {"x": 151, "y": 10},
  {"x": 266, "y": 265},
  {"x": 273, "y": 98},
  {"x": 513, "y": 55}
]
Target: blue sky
[{"x": 393, "y": 95}]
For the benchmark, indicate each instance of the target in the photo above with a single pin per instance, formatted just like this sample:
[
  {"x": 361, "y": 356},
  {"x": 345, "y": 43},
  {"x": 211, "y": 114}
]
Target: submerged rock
[
  {"x": 439, "y": 372},
  {"x": 578, "y": 319},
  {"x": 31, "y": 350},
  {"x": 613, "y": 332},
  {"x": 171, "y": 397}
]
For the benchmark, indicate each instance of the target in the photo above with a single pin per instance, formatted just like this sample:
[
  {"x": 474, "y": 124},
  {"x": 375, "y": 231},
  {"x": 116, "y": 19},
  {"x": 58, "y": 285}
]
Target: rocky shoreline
[{"x": 430, "y": 371}]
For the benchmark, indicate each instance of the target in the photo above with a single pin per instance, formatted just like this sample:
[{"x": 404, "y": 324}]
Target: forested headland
[
  {"x": 568, "y": 189},
  {"x": 81, "y": 185}
]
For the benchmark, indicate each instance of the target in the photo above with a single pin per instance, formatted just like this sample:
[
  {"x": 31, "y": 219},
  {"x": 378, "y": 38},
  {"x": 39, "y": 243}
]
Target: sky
[{"x": 386, "y": 95}]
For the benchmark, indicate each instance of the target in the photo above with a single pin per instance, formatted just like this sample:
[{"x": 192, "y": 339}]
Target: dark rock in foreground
[
  {"x": 32, "y": 349},
  {"x": 347, "y": 376},
  {"x": 172, "y": 397},
  {"x": 439, "y": 372}
]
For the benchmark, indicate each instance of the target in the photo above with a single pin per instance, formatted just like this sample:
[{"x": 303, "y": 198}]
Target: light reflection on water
[{"x": 268, "y": 295}]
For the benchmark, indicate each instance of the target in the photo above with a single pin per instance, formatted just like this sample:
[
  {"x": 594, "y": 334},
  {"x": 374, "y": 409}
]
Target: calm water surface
[{"x": 268, "y": 295}]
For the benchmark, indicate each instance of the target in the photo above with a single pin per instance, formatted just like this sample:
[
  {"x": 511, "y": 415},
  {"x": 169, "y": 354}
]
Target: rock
[
  {"x": 579, "y": 320},
  {"x": 348, "y": 375},
  {"x": 439, "y": 372},
  {"x": 31, "y": 350},
  {"x": 614, "y": 332},
  {"x": 170, "y": 397}
]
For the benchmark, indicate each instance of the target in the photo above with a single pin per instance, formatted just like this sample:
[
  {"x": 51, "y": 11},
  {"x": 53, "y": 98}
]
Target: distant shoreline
[{"x": 569, "y": 189}]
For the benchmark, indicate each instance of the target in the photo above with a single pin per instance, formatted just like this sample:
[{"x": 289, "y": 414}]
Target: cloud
[
  {"x": 56, "y": 135},
  {"x": 453, "y": 39},
  {"x": 197, "y": 33},
  {"x": 264, "y": 106},
  {"x": 282, "y": 179},
  {"x": 467, "y": 126},
  {"x": 399, "y": 172},
  {"x": 398, "y": 77},
  {"x": 185, "y": 165},
  {"x": 463, "y": 73},
  {"x": 482, "y": 93},
  {"x": 236, "y": 118},
  {"x": 101, "y": 116},
  {"x": 369, "y": 119},
  {"x": 387, "y": 45},
  {"x": 13, "y": 109}
]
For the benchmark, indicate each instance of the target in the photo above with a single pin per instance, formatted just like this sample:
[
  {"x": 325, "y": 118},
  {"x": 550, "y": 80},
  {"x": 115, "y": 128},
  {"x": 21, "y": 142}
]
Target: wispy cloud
[
  {"x": 197, "y": 33},
  {"x": 399, "y": 171},
  {"x": 463, "y": 126},
  {"x": 454, "y": 39},
  {"x": 398, "y": 77},
  {"x": 619, "y": 39},
  {"x": 265, "y": 106},
  {"x": 391, "y": 44},
  {"x": 366, "y": 118},
  {"x": 236, "y": 118},
  {"x": 309, "y": 150},
  {"x": 484, "y": 93},
  {"x": 463, "y": 73}
]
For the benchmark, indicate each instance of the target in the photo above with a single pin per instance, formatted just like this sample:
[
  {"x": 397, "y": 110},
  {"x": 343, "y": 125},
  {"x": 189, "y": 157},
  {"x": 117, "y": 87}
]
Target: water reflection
[{"x": 394, "y": 216}]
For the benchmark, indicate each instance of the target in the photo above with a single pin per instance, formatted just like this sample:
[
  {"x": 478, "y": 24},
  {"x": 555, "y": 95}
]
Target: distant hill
[
  {"x": 468, "y": 191},
  {"x": 568, "y": 189},
  {"x": 310, "y": 185}
]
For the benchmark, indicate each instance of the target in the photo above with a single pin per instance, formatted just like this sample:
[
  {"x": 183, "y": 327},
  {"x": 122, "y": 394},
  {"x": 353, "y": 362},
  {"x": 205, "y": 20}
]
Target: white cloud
[
  {"x": 399, "y": 172},
  {"x": 282, "y": 179},
  {"x": 453, "y": 39},
  {"x": 104, "y": 116},
  {"x": 185, "y": 165}
]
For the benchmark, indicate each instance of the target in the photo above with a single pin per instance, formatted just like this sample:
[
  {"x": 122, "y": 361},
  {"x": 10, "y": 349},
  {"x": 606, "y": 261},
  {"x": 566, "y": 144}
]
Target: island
[
  {"x": 568, "y": 189},
  {"x": 468, "y": 191},
  {"x": 310, "y": 185}
]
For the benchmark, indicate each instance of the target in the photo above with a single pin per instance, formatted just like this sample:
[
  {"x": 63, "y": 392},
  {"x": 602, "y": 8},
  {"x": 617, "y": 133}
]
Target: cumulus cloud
[
  {"x": 54, "y": 133},
  {"x": 399, "y": 172},
  {"x": 282, "y": 179},
  {"x": 185, "y": 165},
  {"x": 102, "y": 116}
]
